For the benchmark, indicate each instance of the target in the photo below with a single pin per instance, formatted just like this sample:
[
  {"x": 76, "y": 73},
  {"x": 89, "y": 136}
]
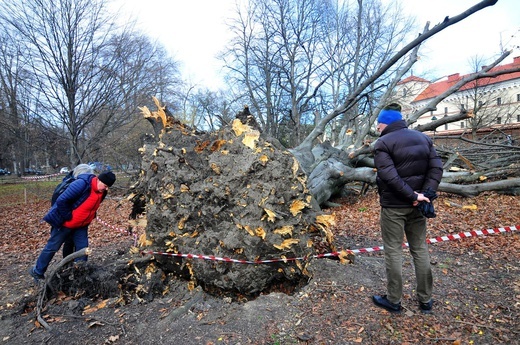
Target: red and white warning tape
[
  {"x": 123, "y": 231},
  {"x": 40, "y": 177},
  {"x": 461, "y": 235},
  {"x": 473, "y": 233}
]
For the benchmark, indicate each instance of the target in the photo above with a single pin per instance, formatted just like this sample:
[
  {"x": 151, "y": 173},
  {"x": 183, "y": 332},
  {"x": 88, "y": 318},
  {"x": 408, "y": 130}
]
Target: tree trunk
[{"x": 512, "y": 186}]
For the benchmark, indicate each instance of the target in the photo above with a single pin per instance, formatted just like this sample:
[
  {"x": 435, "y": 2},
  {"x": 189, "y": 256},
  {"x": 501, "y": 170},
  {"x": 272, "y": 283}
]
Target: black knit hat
[{"x": 107, "y": 178}]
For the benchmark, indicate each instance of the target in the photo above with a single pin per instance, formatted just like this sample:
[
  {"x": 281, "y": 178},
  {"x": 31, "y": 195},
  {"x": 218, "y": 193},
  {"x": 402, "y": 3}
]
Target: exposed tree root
[{"x": 43, "y": 292}]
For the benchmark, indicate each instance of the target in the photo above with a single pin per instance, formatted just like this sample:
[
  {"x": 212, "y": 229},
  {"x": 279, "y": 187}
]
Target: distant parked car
[
  {"x": 99, "y": 167},
  {"x": 30, "y": 171},
  {"x": 64, "y": 170},
  {"x": 5, "y": 172}
]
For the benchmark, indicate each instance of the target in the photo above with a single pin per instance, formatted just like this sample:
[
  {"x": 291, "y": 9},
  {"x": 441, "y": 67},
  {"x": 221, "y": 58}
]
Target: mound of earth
[{"x": 231, "y": 195}]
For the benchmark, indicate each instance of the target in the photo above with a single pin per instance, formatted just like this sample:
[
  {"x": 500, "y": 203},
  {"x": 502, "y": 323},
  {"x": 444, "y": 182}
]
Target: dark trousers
[
  {"x": 395, "y": 223},
  {"x": 75, "y": 238}
]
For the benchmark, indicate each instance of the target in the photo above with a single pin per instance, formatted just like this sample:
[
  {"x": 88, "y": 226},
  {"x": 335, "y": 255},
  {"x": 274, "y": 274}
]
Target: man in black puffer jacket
[{"x": 407, "y": 164}]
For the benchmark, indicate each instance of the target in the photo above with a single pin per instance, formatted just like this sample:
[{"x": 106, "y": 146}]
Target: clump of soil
[{"x": 228, "y": 194}]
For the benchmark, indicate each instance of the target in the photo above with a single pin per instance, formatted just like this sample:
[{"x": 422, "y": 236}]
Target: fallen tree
[
  {"x": 228, "y": 194},
  {"x": 236, "y": 194},
  {"x": 331, "y": 167}
]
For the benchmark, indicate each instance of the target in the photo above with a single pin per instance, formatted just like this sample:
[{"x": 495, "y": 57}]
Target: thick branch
[
  {"x": 476, "y": 189},
  {"x": 430, "y": 126},
  {"x": 352, "y": 98}
]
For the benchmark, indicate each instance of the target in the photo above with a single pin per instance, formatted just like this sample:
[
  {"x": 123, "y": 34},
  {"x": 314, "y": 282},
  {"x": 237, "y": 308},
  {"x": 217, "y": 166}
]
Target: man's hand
[{"x": 420, "y": 197}]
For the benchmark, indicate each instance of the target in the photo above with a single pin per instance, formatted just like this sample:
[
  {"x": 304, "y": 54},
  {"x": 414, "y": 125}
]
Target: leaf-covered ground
[{"x": 477, "y": 287}]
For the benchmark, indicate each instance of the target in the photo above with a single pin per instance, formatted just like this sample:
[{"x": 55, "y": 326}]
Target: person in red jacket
[
  {"x": 71, "y": 215},
  {"x": 408, "y": 166}
]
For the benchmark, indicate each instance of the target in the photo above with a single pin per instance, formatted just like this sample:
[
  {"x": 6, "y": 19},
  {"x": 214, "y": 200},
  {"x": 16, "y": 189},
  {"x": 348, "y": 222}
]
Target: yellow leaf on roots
[
  {"x": 143, "y": 241},
  {"x": 182, "y": 222},
  {"x": 297, "y": 206},
  {"x": 295, "y": 167},
  {"x": 249, "y": 230},
  {"x": 260, "y": 233},
  {"x": 250, "y": 139},
  {"x": 271, "y": 216},
  {"x": 327, "y": 220},
  {"x": 264, "y": 159},
  {"x": 286, "y": 244},
  {"x": 284, "y": 230},
  {"x": 239, "y": 127},
  {"x": 345, "y": 257}
]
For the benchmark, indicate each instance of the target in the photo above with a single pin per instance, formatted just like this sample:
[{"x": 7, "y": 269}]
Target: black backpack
[{"x": 67, "y": 180}]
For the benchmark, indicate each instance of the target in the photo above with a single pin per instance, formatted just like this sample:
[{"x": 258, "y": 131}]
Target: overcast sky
[{"x": 194, "y": 31}]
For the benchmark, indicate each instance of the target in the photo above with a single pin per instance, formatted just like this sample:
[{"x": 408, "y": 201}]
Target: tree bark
[{"x": 475, "y": 189}]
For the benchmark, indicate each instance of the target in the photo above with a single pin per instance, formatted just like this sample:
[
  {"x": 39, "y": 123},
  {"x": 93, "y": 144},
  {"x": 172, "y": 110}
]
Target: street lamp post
[{"x": 434, "y": 119}]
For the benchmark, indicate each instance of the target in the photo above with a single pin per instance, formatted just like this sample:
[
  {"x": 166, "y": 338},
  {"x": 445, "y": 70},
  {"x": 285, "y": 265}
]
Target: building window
[
  {"x": 446, "y": 126},
  {"x": 517, "y": 118},
  {"x": 405, "y": 91},
  {"x": 462, "y": 107},
  {"x": 480, "y": 103},
  {"x": 446, "y": 109},
  {"x": 518, "y": 97},
  {"x": 462, "y": 124},
  {"x": 499, "y": 120},
  {"x": 499, "y": 100}
]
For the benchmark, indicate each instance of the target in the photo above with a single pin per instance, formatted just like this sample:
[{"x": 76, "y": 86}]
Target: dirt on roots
[{"x": 115, "y": 299}]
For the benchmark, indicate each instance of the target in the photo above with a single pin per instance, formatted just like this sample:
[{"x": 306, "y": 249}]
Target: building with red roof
[{"x": 495, "y": 102}]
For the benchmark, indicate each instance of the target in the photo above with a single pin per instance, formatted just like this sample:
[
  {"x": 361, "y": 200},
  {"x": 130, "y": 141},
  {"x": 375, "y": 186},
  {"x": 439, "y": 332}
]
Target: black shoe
[
  {"x": 383, "y": 302},
  {"x": 426, "y": 308},
  {"x": 37, "y": 277}
]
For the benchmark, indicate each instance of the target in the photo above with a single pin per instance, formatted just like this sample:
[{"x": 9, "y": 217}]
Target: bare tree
[
  {"x": 88, "y": 75},
  {"x": 299, "y": 59},
  {"x": 22, "y": 134},
  {"x": 368, "y": 68},
  {"x": 330, "y": 169},
  {"x": 11, "y": 121},
  {"x": 141, "y": 69},
  {"x": 252, "y": 55},
  {"x": 211, "y": 109},
  {"x": 64, "y": 42}
]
